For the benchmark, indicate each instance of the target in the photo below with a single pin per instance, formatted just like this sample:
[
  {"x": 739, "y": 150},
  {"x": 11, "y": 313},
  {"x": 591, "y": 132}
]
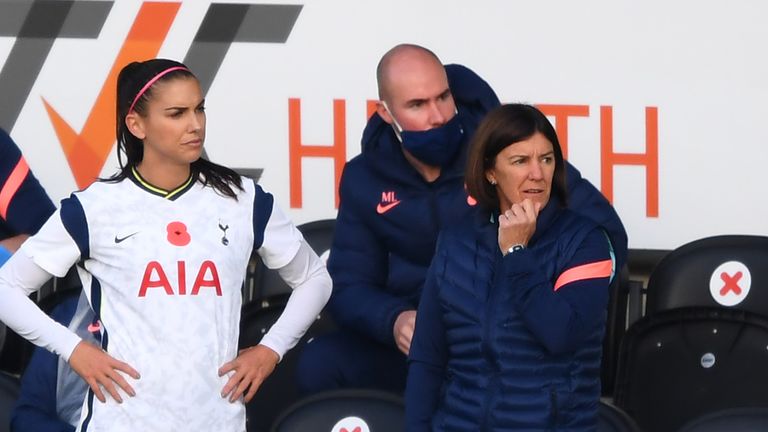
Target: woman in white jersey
[{"x": 162, "y": 248}]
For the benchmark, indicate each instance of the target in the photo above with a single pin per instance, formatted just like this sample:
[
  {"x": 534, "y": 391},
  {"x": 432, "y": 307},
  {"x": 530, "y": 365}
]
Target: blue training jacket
[
  {"x": 389, "y": 217},
  {"x": 514, "y": 342},
  {"x": 24, "y": 205},
  {"x": 52, "y": 394}
]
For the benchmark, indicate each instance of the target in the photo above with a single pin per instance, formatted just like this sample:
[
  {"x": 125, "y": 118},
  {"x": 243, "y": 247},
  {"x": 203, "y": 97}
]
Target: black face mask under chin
[{"x": 436, "y": 146}]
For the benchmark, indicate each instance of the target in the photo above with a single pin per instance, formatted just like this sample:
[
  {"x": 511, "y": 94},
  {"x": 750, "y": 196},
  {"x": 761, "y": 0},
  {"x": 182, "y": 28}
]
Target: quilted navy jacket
[
  {"x": 24, "y": 205},
  {"x": 389, "y": 217},
  {"x": 503, "y": 343}
]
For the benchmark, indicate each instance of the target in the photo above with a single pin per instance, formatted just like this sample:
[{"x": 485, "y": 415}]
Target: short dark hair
[{"x": 502, "y": 127}]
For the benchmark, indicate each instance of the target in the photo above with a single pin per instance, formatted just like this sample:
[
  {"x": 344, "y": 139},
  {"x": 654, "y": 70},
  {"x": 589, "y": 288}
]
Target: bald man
[{"x": 396, "y": 196}]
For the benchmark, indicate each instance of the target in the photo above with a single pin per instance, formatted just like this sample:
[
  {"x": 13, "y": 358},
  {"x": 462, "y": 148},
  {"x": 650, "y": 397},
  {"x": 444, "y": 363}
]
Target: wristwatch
[{"x": 515, "y": 248}]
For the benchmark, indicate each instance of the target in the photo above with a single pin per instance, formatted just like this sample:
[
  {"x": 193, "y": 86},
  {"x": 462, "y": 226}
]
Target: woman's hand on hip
[
  {"x": 251, "y": 367},
  {"x": 99, "y": 369}
]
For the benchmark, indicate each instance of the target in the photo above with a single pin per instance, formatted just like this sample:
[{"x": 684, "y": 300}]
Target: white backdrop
[{"x": 700, "y": 64}]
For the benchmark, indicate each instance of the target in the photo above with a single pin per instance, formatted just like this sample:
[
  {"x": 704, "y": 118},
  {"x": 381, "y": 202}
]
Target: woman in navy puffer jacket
[{"x": 510, "y": 325}]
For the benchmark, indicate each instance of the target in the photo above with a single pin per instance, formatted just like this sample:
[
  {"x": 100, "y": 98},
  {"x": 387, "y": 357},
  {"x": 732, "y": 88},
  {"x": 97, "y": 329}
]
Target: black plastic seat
[
  {"x": 750, "y": 419},
  {"x": 279, "y": 390},
  {"x": 702, "y": 345},
  {"x": 611, "y": 418},
  {"x": 267, "y": 283},
  {"x": 265, "y": 301},
  {"x": 683, "y": 277},
  {"x": 615, "y": 327},
  {"x": 679, "y": 364},
  {"x": 2, "y": 336},
  {"x": 351, "y": 409}
]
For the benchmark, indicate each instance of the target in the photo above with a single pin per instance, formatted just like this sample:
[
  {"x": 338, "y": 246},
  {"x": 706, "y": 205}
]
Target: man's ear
[
  {"x": 135, "y": 125},
  {"x": 383, "y": 112}
]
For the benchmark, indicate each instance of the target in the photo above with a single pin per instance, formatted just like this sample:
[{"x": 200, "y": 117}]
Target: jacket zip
[
  {"x": 434, "y": 208},
  {"x": 490, "y": 358},
  {"x": 554, "y": 412}
]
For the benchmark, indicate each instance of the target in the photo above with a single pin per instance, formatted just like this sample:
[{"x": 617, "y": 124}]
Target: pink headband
[{"x": 152, "y": 81}]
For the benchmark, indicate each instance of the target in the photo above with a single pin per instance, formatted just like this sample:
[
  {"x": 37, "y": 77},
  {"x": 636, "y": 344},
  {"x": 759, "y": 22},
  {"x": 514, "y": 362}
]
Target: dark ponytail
[{"x": 130, "y": 82}]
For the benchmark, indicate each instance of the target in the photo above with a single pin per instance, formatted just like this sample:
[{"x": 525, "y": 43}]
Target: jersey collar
[{"x": 154, "y": 190}]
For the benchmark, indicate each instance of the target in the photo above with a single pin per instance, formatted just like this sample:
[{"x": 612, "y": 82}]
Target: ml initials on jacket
[{"x": 388, "y": 202}]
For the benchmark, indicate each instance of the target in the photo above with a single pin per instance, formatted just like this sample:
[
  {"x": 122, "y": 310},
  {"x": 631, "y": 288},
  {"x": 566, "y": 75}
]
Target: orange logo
[
  {"x": 383, "y": 208},
  {"x": 94, "y": 327},
  {"x": 388, "y": 202},
  {"x": 87, "y": 150}
]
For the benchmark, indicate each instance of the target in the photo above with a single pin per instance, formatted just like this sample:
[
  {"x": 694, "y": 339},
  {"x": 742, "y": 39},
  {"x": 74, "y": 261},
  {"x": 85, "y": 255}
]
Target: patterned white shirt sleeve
[
  {"x": 19, "y": 277},
  {"x": 285, "y": 249}
]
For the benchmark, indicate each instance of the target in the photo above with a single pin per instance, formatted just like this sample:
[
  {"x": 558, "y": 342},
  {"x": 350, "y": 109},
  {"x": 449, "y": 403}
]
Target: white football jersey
[{"x": 163, "y": 270}]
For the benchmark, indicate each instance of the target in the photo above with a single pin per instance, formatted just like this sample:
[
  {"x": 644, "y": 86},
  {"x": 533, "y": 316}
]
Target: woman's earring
[{"x": 493, "y": 182}]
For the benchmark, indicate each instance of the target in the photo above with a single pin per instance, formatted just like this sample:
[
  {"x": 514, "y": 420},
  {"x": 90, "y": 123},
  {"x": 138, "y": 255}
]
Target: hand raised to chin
[{"x": 517, "y": 224}]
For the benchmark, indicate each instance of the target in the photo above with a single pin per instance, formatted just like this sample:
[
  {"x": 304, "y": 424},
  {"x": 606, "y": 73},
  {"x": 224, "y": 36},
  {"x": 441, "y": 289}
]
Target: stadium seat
[
  {"x": 615, "y": 327},
  {"x": 711, "y": 272},
  {"x": 339, "y": 410},
  {"x": 702, "y": 345},
  {"x": 9, "y": 392},
  {"x": 611, "y": 418},
  {"x": 731, "y": 420},
  {"x": 264, "y": 298},
  {"x": 279, "y": 390},
  {"x": 679, "y": 364}
]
